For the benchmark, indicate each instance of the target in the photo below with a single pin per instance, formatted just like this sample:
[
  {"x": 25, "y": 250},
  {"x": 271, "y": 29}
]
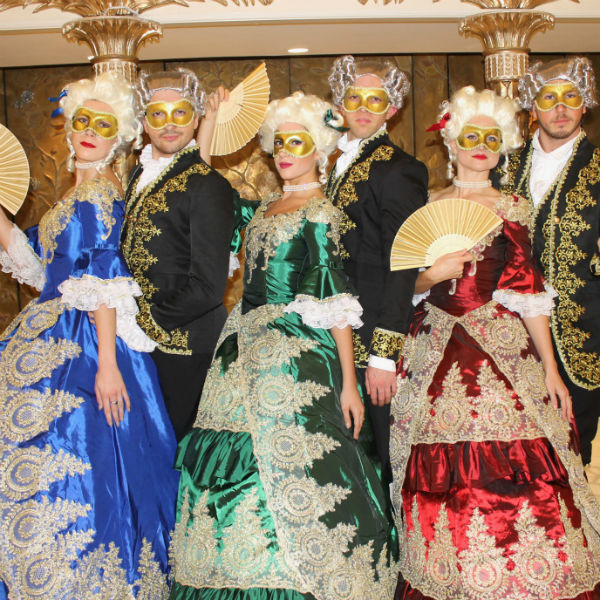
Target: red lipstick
[
  {"x": 480, "y": 156},
  {"x": 87, "y": 145}
]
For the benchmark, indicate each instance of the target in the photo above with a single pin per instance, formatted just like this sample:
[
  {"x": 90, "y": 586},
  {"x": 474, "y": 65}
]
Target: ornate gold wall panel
[{"x": 28, "y": 111}]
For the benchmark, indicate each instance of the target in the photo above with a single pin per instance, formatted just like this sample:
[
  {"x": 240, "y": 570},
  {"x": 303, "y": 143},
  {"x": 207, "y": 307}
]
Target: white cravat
[
  {"x": 350, "y": 150},
  {"x": 547, "y": 166},
  {"x": 153, "y": 167}
]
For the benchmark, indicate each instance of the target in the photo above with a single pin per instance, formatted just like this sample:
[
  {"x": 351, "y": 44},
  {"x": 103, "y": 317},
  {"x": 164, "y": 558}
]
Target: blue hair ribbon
[
  {"x": 329, "y": 116},
  {"x": 57, "y": 111}
]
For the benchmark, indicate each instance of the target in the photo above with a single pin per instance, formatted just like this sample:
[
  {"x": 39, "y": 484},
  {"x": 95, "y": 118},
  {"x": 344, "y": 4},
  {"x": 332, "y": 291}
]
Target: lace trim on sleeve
[
  {"x": 234, "y": 264},
  {"x": 20, "y": 260},
  {"x": 527, "y": 305},
  {"x": 336, "y": 311},
  {"x": 88, "y": 293},
  {"x": 418, "y": 297}
]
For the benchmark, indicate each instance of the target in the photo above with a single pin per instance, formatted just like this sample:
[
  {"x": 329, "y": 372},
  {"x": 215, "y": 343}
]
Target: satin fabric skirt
[
  {"x": 83, "y": 506},
  {"x": 503, "y": 510},
  {"x": 222, "y": 491}
]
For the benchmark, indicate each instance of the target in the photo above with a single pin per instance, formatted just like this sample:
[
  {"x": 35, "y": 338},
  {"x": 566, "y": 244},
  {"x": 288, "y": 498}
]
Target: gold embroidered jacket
[
  {"x": 566, "y": 227},
  {"x": 376, "y": 193},
  {"x": 175, "y": 239}
]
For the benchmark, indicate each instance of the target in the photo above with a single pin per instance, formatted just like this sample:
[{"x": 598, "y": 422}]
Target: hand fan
[
  {"x": 239, "y": 118},
  {"x": 14, "y": 171},
  {"x": 438, "y": 228}
]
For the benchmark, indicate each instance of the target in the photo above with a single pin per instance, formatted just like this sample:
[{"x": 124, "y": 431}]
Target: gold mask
[
  {"x": 296, "y": 143},
  {"x": 473, "y": 136},
  {"x": 550, "y": 96},
  {"x": 160, "y": 114},
  {"x": 103, "y": 123},
  {"x": 375, "y": 100}
]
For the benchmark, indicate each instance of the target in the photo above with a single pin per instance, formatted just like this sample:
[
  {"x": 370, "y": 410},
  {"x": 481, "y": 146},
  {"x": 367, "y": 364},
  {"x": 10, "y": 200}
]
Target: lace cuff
[
  {"x": 336, "y": 311},
  {"x": 418, "y": 297},
  {"x": 88, "y": 293},
  {"x": 234, "y": 264},
  {"x": 20, "y": 260},
  {"x": 527, "y": 305}
]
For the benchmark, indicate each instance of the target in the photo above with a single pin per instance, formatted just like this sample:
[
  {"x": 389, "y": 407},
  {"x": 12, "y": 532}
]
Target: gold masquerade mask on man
[
  {"x": 160, "y": 114},
  {"x": 472, "y": 136},
  {"x": 296, "y": 143},
  {"x": 103, "y": 123},
  {"x": 373, "y": 99},
  {"x": 553, "y": 94}
]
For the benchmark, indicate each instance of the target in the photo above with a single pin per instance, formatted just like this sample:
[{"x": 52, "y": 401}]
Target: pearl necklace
[
  {"x": 301, "y": 186},
  {"x": 459, "y": 183},
  {"x": 90, "y": 165}
]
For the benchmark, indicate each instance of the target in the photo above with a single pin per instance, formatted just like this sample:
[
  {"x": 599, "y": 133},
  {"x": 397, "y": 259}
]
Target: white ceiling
[{"x": 206, "y": 29}]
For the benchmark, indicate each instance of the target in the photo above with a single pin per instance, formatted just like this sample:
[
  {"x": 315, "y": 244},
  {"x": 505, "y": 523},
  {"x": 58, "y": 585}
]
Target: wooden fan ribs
[
  {"x": 438, "y": 228},
  {"x": 14, "y": 171}
]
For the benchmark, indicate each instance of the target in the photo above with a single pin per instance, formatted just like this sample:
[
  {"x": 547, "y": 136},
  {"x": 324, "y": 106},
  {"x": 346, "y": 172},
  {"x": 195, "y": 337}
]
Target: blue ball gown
[{"x": 85, "y": 509}]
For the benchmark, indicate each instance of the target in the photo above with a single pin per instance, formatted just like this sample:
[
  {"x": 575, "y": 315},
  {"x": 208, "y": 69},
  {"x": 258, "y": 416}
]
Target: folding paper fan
[
  {"x": 239, "y": 118},
  {"x": 438, "y": 228},
  {"x": 14, "y": 171}
]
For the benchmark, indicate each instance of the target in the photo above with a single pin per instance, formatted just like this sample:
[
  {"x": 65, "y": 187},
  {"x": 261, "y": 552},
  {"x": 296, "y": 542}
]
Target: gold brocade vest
[{"x": 566, "y": 228}]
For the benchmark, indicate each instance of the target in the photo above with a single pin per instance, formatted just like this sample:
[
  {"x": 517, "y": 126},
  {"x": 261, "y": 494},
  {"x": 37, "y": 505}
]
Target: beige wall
[{"x": 24, "y": 108}]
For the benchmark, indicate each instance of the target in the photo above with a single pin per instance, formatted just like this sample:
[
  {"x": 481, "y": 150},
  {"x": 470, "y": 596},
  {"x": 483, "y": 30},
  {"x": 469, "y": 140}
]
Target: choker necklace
[
  {"x": 302, "y": 186},
  {"x": 90, "y": 165},
  {"x": 471, "y": 184}
]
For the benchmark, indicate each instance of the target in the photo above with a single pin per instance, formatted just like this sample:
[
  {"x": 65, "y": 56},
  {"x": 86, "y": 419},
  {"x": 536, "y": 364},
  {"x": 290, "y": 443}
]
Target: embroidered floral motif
[
  {"x": 139, "y": 229},
  {"x": 342, "y": 189},
  {"x": 99, "y": 191},
  {"x": 386, "y": 343},
  {"x": 266, "y": 402},
  {"x": 265, "y": 234},
  {"x": 361, "y": 354}
]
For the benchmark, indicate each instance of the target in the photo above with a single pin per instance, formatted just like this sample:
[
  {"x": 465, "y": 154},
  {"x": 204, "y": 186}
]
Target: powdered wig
[
  {"x": 183, "y": 81},
  {"x": 120, "y": 95},
  {"x": 346, "y": 70},
  {"x": 467, "y": 103},
  {"x": 577, "y": 70},
  {"x": 313, "y": 114}
]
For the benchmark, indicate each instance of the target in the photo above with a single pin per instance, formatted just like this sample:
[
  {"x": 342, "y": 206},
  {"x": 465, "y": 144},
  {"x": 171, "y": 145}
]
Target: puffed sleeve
[
  {"x": 324, "y": 298},
  {"x": 22, "y": 258},
  {"x": 521, "y": 287},
  {"x": 99, "y": 274},
  {"x": 243, "y": 211}
]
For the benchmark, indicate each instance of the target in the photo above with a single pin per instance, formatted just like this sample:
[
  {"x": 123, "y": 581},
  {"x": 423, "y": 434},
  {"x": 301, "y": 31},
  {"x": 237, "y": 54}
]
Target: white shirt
[
  {"x": 350, "y": 150},
  {"x": 153, "y": 167},
  {"x": 547, "y": 166}
]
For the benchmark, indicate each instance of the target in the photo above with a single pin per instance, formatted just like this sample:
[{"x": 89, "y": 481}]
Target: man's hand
[
  {"x": 381, "y": 385},
  {"x": 208, "y": 123}
]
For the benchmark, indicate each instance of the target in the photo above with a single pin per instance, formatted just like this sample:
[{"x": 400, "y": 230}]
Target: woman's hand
[
  {"x": 111, "y": 394},
  {"x": 352, "y": 408},
  {"x": 450, "y": 266},
  {"x": 559, "y": 394}
]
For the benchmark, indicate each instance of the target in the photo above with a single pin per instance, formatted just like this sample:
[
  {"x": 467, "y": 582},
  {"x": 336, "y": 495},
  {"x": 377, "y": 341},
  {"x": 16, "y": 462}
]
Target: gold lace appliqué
[{"x": 100, "y": 192}]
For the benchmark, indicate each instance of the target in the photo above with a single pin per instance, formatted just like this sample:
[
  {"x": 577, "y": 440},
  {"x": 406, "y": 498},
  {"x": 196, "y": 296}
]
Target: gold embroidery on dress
[
  {"x": 98, "y": 191},
  {"x": 284, "y": 451},
  {"x": 386, "y": 343},
  {"x": 139, "y": 230},
  {"x": 265, "y": 234}
]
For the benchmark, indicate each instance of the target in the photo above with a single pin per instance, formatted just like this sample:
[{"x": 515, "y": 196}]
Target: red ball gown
[{"x": 489, "y": 489}]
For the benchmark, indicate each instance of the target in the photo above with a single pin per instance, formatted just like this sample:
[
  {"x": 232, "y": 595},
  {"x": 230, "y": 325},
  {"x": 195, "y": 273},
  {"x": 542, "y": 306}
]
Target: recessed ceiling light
[{"x": 297, "y": 50}]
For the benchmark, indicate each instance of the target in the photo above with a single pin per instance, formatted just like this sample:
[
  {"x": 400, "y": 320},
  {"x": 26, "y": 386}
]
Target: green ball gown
[{"x": 276, "y": 500}]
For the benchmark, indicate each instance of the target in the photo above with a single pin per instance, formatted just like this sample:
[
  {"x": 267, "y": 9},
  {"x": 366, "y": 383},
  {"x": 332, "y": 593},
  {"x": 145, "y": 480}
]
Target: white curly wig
[
  {"x": 313, "y": 114},
  {"x": 346, "y": 69},
  {"x": 182, "y": 80},
  {"x": 467, "y": 103},
  {"x": 578, "y": 70},
  {"x": 114, "y": 90}
]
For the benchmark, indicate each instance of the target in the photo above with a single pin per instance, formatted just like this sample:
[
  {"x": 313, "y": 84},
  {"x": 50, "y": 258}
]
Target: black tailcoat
[{"x": 376, "y": 193}]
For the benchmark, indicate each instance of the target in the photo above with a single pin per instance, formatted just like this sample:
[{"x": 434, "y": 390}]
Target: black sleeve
[
  {"x": 211, "y": 225},
  {"x": 400, "y": 191}
]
